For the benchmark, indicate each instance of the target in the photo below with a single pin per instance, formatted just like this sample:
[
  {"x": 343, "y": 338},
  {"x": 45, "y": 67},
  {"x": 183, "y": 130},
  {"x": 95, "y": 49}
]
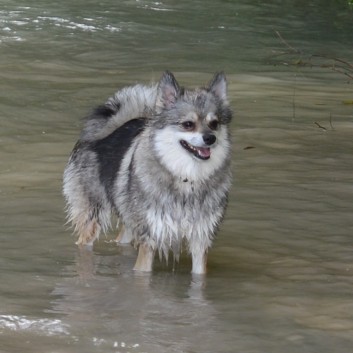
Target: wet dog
[{"x": 159, "y": 158}]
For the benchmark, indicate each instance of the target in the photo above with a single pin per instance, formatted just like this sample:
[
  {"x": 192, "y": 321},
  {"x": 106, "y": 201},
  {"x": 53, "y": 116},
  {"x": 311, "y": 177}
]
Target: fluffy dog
[{"x": 159, "y": 158}]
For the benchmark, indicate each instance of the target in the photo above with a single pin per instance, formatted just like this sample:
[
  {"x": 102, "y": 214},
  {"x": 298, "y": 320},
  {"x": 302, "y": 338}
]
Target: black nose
[{"x": 209, "y": 139}]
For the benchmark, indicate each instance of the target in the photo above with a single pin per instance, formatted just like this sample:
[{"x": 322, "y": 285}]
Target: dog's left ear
[
  {"x": 218, "y": 86},
  {"x": 168, "y": 90}
]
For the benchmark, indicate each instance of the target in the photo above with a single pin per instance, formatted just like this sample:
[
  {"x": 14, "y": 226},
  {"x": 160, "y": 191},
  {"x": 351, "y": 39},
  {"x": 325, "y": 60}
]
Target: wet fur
[{"x": 129, "y": 161}]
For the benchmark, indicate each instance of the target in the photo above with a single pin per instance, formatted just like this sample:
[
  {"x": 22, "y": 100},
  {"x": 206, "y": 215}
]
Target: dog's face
[
  {"x": 191, "y": 127},
  {"x": 198, "y": 135}
]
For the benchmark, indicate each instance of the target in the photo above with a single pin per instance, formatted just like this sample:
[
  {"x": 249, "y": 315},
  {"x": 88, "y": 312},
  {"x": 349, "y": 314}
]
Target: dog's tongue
[{"x": 204, "y": 152}]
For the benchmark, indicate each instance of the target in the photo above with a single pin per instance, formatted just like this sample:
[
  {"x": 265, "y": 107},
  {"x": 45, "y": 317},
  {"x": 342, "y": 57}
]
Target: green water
[{"x": 280, "y": 272}]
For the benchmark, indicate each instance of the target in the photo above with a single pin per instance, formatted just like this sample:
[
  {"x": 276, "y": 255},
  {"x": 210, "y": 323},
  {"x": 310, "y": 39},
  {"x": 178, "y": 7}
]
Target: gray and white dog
[{"x": 159, "y": 158}]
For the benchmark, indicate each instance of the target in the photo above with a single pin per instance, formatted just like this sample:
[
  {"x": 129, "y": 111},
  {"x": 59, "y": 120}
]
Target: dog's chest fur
[{"x": 162, "y": 208}]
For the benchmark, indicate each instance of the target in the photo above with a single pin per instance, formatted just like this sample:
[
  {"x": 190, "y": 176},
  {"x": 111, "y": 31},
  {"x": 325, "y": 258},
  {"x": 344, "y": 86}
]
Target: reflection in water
[{"x": 134, "y": 309}]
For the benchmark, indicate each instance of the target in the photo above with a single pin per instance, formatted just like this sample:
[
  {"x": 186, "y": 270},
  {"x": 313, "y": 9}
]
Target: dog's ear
[
  {"x": 168, "y": 90},
  {"x": 218, "y": 86}
]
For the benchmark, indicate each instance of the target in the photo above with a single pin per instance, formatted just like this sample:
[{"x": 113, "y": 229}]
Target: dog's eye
[
  {"x": 213, "y": 124},
  {"x": 188, "y": 125}
]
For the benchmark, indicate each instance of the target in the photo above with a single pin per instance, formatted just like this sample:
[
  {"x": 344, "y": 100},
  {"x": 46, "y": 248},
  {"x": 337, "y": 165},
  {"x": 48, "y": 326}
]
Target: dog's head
[{"x": 191, "y": 125}]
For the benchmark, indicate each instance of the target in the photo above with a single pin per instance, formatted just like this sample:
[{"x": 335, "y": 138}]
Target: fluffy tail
[{"x": 127, "y": 104}]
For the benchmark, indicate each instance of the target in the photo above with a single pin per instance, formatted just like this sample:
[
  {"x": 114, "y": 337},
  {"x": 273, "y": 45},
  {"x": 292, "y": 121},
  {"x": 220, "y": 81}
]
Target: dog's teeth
[{"x": 200, "y": 152}]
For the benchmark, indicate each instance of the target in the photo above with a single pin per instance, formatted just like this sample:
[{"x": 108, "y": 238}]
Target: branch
[{"x": 286, "y": 43}]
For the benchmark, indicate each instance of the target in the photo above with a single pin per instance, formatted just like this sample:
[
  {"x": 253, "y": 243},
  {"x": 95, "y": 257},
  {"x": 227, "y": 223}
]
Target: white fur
[{"x": 182, "y": 163}]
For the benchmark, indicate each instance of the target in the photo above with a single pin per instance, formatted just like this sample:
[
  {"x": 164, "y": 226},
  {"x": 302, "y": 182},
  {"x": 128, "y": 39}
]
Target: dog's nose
[{"x": 209, "y": 139}]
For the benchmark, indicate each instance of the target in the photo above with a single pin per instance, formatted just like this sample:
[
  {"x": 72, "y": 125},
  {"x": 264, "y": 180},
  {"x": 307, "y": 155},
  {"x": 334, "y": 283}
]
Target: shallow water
[{"x": 280, "y": 272}]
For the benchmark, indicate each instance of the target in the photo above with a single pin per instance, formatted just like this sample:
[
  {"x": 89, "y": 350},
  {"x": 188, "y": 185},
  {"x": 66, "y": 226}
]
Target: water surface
[{"x": 280, "y": 272}]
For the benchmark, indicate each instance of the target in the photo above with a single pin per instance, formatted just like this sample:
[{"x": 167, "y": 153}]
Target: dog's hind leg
[
  {"x": 125, "y": 236},
  {"x": 145, "y": 257},
  {"x": 88, "y": 224},
  {"x": 88, "y": 232}
]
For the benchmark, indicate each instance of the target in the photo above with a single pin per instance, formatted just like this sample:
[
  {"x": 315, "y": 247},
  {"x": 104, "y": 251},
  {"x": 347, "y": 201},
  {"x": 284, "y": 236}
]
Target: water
[{"x": 280, "y": 273}]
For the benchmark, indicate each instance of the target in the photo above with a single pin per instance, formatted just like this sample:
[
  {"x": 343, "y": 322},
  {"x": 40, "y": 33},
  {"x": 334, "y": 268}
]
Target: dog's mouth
[{"x": 199, "y": 152}]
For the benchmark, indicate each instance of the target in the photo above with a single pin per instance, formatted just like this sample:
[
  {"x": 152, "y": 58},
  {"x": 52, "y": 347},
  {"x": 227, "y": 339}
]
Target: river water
[{"x": 280, "y": 273}]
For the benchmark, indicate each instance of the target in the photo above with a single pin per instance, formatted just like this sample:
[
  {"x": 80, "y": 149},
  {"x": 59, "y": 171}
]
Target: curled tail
[{"x": 127, "y": 104}]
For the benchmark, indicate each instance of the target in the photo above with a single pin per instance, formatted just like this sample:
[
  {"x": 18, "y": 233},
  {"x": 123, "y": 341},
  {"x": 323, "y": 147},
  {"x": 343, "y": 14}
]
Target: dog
[{"x": 159, "y": 158}]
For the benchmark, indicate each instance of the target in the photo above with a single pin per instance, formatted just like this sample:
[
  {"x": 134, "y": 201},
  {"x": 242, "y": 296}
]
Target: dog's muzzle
[{"x": 203, "y": 153}]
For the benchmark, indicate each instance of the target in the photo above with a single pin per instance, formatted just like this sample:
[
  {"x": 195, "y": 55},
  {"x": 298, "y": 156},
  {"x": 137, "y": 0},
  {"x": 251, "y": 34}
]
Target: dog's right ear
[{"x": 168, "y": 91}]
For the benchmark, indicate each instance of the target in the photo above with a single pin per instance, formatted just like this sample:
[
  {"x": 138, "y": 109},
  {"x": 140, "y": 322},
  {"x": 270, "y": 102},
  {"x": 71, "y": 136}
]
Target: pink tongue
[{"x": 204, "y": 152}]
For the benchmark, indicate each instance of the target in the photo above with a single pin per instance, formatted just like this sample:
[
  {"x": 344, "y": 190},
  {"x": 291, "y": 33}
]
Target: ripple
[
  {"x": 22, "y": 323},
  {"x": 16, "y": 25}
]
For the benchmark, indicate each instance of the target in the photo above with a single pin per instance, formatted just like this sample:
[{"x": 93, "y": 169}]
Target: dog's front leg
[
  {"x": 145, "y": 258},
  {"x": 199, "y": 262}
]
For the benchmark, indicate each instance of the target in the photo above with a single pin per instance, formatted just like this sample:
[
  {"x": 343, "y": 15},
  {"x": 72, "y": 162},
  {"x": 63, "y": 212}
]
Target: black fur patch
[
  {"x": 224, "y": 113},
  {"x": 104, "y": 111},
  {"x": 111, "y": 151}
]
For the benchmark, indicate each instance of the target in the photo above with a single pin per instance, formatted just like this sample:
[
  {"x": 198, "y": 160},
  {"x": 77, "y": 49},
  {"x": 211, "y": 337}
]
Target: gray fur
[{"x": 161, "y": 192}]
